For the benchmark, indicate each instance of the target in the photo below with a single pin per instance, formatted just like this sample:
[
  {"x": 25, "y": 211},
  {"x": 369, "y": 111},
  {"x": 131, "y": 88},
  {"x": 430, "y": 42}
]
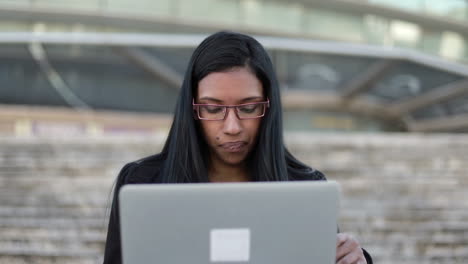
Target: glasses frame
[{"x": 196, "y": 108}]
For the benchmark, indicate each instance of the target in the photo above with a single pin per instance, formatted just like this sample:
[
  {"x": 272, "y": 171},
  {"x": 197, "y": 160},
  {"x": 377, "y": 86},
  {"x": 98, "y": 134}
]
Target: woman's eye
[
  {"x": 248, "y": 108},
  {"x": 213, "y": 109}
]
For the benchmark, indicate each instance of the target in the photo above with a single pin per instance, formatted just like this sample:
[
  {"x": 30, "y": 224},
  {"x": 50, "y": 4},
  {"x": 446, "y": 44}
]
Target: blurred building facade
[
  {"x": 114, "y": 67},
  {"x": 342, "y": 65}
]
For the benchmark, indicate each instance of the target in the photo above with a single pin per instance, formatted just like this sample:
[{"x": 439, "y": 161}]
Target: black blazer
[{"x": 147, "y": 170}]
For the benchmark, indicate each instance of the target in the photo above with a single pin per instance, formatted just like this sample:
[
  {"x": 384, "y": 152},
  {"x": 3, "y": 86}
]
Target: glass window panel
[
  {"x": 410, "y": 5},
  {"x": 465, "y": 56},
  {"x": 16, "y": 2},
  {"x": 272, "y": 15},
  {"x": 176, "y": 58},
  {"x": 280, "y": 16},
  {"x": 221, "y": 11},
  {"x": 75, "y": 4},
  {"x": 21, "y": 80},
  {"x": 452, "y": 45},
  {"x": 334, "y": 25},
  {"x": 408, "y": 80},
  {"x": 14, "y": 26},
  {"x": 458, "y": 105},
  {"x": 320, "y": 71},
  {"x": 64, "y": 27},
  {"x": 109, "y": 82},
  {"x": 430, "y": 42},
  {"x": 433, "y": 111},
  {"x": 455, "y": 9},
  {"x": 376, "y": 29},
  {"x": 251, "y": 12},
  {"x": 404, "y": 33},
  {"x": 154, "y": 7}
]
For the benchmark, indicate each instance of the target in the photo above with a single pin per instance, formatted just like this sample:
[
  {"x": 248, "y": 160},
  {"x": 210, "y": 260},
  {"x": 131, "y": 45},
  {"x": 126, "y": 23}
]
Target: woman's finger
[
  {"x": 346, "y": 245},
  {"x": 351, "y": 258}
]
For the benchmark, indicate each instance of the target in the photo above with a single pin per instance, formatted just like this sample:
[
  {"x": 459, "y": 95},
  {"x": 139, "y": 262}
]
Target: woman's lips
[{"x": 237, "y": 146}]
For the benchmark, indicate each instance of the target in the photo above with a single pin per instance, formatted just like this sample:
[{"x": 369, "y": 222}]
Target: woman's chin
[{"x": 233, "y": 159}]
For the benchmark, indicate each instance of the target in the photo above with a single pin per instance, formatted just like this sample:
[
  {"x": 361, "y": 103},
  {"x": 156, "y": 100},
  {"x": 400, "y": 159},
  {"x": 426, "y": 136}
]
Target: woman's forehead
[{"x": 235, "y": 84}]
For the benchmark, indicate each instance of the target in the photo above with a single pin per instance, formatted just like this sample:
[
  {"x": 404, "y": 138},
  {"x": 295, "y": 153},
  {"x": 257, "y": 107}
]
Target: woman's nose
[{"x": 232, "y": 125}]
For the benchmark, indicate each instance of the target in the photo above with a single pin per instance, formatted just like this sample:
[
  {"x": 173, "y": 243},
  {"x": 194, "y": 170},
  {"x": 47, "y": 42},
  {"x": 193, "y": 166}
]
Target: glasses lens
[
  {"x": 251, "y": 110},
  {"x": 212, "y": 112}
]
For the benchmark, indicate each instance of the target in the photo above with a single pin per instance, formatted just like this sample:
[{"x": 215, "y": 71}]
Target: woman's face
[{"x": 230, "y": 140}]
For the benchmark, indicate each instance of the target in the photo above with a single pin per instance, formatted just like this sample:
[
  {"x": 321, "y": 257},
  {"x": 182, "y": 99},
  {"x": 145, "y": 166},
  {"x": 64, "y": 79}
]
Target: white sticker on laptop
[{"x": 230, "y": 245}]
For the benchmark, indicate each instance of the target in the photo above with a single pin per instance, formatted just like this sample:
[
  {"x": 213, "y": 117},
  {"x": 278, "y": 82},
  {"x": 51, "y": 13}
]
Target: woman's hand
[{"x": 348, "y": 250}]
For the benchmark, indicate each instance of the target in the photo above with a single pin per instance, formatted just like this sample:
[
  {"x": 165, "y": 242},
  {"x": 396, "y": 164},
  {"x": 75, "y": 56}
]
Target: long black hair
[{"x": 186, "y": 151}]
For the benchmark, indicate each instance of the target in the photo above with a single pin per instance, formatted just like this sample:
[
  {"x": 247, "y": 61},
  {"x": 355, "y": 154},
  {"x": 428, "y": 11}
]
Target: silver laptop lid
[{"x": 274, "y": 222}]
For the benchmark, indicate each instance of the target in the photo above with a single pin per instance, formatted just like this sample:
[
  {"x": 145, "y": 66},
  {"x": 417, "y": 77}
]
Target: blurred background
[{"x": 375, "y": 94}]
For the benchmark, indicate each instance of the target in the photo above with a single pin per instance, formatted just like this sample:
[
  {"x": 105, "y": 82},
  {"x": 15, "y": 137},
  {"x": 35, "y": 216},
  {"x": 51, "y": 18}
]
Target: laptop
[{"x": 255, "y": 222}]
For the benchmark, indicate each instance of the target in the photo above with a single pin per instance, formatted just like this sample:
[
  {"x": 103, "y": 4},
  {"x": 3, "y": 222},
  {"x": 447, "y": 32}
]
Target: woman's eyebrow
[
  {"x": 251, "y": 98},
  {"x": 211, "y": 99},
  {"x": 241, "y": 101}
]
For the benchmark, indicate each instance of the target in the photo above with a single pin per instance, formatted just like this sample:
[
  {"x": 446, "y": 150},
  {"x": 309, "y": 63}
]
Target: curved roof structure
[
  {"x": 404, "y": 85},
  {"x": 376, "y": 22}
]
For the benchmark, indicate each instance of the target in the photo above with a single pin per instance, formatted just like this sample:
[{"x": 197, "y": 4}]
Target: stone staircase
[
  {"x": 405, "y": 196},
  {"x": 55, "y": 194}
]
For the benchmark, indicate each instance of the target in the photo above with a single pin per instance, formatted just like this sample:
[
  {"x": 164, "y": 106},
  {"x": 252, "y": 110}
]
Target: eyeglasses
[{"x": 215, "y": 112}]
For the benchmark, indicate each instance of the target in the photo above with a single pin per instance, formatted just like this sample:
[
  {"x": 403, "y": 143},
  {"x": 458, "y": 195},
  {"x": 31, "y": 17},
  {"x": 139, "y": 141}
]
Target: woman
[{"x": 227, "y": 128}]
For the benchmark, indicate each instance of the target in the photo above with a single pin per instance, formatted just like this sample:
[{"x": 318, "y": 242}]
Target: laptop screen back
[{"x": 275, "y": 222}]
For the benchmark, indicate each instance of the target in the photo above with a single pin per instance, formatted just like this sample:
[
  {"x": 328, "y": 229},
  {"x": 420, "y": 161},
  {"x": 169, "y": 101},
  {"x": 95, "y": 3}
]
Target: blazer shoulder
[
  {"x": 306, "y": 174},
  {"x": 145, "y": 170}
]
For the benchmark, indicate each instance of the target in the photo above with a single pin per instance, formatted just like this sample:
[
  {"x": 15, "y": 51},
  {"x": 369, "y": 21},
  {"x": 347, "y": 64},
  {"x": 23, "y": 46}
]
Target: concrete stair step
[
  {"x": 53, "y": 223},
  {"x": 28, "y": 259},
  {"x": 33, "y": 211},
  {"x": 85, "y": 237},
  {"x": 98, "y": 199},
  {"x": 48, "y": 249}
]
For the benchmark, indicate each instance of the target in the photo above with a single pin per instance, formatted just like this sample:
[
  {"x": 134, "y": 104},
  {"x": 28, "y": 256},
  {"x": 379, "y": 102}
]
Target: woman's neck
[{"x": 226, "y": 173}]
